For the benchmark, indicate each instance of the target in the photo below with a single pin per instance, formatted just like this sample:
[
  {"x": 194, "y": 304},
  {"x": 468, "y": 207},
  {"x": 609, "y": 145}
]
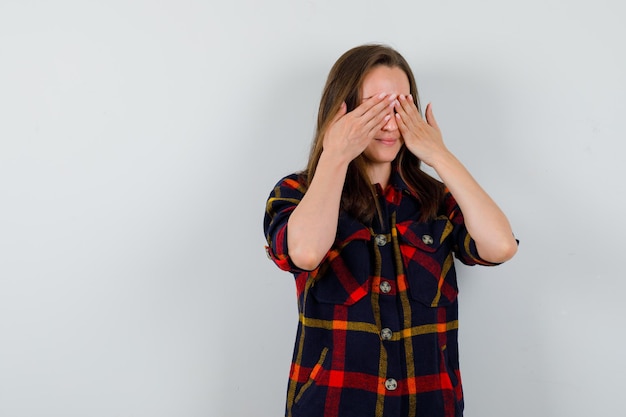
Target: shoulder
[
  {"x": 296, "y": 180},
  {"x": 290, "y": 188}
]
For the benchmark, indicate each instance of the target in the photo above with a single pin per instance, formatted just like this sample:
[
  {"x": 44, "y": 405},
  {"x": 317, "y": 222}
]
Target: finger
[
  {"x": 409, "y": 107},
  {"x": 372, "y": 127},
  {"x": 402, "y": 126},
  {"x": 430, "y": 117},
  {"x": 407, "y": 121},
  {"x": 379, "y": 110},
  {"x": 368, "y": 104},
  {"x": 378, "y": 117}
]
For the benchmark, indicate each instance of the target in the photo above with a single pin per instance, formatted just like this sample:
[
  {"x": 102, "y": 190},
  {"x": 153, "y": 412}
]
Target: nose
[{"x": 392, "y": 124}]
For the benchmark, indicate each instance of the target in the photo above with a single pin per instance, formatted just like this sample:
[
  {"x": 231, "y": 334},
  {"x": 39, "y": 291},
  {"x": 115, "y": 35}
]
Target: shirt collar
[{"x": 395, "y": 190}]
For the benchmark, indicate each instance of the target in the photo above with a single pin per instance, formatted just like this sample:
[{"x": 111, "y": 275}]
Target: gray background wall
[{"x": 139, "y": 141}]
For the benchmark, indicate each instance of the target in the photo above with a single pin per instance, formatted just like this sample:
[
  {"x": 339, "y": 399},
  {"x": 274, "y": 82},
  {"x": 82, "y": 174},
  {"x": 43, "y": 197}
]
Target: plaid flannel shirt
[{"x": 378, "y": 318}]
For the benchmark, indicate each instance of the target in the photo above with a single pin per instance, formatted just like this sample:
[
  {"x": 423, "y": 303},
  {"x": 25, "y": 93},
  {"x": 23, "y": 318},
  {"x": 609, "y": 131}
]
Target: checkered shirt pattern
[{"x": 378, "y": 318}]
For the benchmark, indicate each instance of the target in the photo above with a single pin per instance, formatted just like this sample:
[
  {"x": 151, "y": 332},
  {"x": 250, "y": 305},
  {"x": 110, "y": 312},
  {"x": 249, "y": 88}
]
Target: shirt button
[
  {"x": 428, "y": 239},
  {"x": 391, "y": 384},
  {"x": 381, "y": 240},
  {"x": 386, "y": 333},
  {"x": 385, "y": 287}
]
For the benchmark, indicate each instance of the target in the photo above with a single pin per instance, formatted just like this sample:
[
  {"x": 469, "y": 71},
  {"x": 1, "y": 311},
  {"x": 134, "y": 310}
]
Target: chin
[{"x": 381, "y": 159}]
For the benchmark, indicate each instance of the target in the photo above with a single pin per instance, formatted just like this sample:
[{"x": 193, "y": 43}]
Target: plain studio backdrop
[{"x": 139, "y": 141}]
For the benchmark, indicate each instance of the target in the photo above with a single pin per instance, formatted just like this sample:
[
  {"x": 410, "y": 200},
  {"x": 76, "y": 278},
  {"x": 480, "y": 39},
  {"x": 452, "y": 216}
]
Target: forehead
[{"x": 384, "y": 79}]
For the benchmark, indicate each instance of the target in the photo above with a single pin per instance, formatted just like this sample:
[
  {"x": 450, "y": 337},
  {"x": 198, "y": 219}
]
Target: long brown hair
[{"x": 344, "y": 85}]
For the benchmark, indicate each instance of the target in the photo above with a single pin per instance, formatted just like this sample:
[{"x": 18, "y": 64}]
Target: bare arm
[
  {"x": 312, "y": 226},
  {"x": 484, "y": 220}
]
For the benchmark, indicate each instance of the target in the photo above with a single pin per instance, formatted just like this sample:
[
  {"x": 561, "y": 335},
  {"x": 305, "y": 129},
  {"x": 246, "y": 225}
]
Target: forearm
[
  {"x": 485, "y": 222},
  {"x": 312, "y": 226}
]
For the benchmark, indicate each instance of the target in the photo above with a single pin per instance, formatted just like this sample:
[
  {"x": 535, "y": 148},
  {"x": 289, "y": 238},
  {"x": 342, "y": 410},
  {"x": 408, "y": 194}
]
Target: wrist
[
  {"x": 332, "y": 161},
  {"x": 440, "y": 158}
]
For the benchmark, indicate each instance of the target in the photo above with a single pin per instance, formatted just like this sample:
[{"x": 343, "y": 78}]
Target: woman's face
[{"x": 387, "y": 142}]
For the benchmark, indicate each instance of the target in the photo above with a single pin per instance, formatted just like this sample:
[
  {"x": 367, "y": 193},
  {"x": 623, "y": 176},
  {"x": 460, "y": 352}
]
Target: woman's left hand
[
  {"x": 485, "y": 222},
  {"x": 422, "y": 137}
]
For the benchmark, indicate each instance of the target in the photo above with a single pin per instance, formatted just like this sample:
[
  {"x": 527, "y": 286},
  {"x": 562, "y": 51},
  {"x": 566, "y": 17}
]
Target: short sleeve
[
  {"x": 464, "y": 245},
  {"x": 281, "y": 202}
]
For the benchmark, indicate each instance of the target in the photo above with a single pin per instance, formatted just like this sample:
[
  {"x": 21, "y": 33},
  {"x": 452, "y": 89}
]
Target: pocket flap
[
  {"x": 428, "y": 261},
  {"x": 425, "y": 236}
]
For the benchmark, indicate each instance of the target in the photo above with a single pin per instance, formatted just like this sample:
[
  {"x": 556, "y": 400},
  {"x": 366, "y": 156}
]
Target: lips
[{"x": 387, "y": 142}]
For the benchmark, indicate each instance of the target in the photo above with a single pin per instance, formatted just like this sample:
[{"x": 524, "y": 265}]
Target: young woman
[{"x": 370, "y": 239}]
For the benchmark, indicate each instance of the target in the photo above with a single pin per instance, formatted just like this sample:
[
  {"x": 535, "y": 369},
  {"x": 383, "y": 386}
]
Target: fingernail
[
  {"x": 410, "y": 97},
  {"x": 382, "y": 95}
]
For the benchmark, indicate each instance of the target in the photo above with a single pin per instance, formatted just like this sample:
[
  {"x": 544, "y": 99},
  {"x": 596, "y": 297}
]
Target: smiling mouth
[{"x": 387, "y": 141}]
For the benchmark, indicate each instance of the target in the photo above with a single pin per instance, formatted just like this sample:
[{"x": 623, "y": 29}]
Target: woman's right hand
[
  {"x": 313, "y": 223},
  {"x": 349, "y": 133}
]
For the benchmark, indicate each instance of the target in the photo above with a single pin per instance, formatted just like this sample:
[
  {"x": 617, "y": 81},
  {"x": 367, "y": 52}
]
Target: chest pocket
[
  {"x": 344, "y": 275},
  {"x": 428, "y": 261}
]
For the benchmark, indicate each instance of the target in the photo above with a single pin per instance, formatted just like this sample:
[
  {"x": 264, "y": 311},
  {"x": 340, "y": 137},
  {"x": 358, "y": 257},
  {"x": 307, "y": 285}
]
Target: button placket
[
  {"x": 391, "y": 384},
  {"x": 380, "y": 240},
  {"x": 386, "y": 333},
  {"x": 385, "y": 287}
]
